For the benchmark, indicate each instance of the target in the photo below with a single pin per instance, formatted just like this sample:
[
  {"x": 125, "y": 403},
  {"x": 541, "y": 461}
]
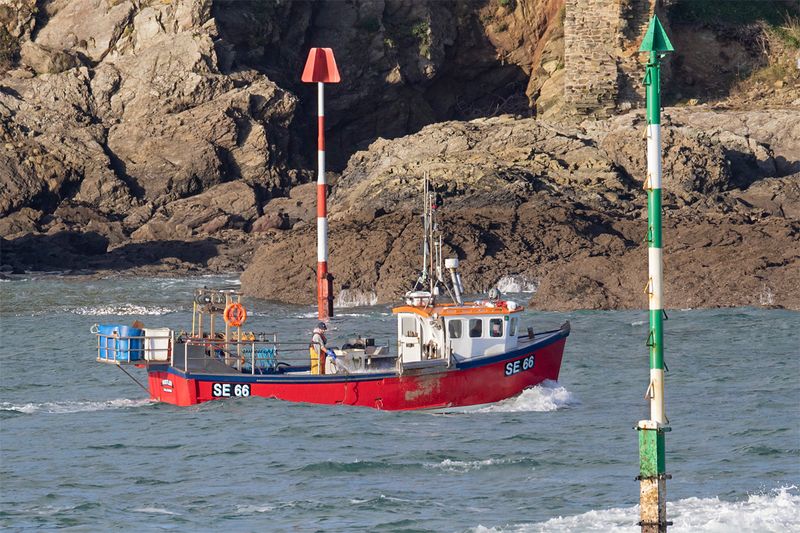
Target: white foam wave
[
  {"x": 359, "y": 501},
  {"x": 250, "y": 509},
  {"x": 355, "y": 298},
  {"x": 638, "y": 323},
  {"x": 313, "y": 314},
  {"x": 516, "y": 284},
  {"x": 766, "y": 298},
  {"x": 73, "y": 406},
  {"x": 49, "y": 510},
  {"x": 123, "y": 309},
  {"x": 548, "y": 396},
  {"x": 449, "y": 465},
  {"x": 154, "y": 510},
  {"x": 776, "y": 511}
]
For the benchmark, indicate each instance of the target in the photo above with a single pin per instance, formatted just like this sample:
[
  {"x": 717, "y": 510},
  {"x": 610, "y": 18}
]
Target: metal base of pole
[
  {"x": 652, "y": 478},
  {"x": 653, "y": 505}
]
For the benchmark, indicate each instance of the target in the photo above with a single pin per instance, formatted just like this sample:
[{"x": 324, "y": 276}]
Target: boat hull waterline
[{"x": 476, "y": 381}]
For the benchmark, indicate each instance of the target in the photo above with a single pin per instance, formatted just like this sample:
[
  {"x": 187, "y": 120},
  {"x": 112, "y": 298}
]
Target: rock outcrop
[
  {"x": 563, "y": 208},
  {"x": 123, "y": 107}
]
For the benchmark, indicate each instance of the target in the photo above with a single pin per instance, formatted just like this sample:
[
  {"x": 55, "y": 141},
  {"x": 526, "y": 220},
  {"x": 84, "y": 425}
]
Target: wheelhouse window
[
  {"x": 513, "y": 327},
  {"x": 454, "y": 329},
  {"x": 409, "y": 326},
  {"x": 475, "y": 327},
  {"x": 496, "y": 327}
]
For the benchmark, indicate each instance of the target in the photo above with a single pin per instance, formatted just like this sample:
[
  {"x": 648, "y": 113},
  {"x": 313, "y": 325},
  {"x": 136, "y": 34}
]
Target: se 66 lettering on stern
[
  {"x": 226, "y": 390},
  {"x": 515, "y": 367}
]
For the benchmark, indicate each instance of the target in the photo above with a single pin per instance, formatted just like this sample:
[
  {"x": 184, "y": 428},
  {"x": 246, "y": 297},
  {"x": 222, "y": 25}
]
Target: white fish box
[{"x": 157, "y": 344}]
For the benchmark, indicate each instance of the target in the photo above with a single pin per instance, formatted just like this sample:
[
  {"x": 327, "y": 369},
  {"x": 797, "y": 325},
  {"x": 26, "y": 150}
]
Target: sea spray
[
  {"x": 777, "y": 511},
  {"x": 68, "y": 406},
  {"x": 355, "y": 298},
  {"x": 546, "y": 397},
  {"x": 516, "y": 284}
]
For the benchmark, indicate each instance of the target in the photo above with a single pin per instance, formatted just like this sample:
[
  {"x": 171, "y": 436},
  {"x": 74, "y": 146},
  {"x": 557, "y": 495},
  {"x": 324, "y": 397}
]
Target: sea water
[{"x": 84, "y": 449}]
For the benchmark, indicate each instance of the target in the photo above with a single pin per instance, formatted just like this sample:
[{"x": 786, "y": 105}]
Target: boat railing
[
  {"x": 245, "y": 356},
  {"x": 261, "y": 355},
  {"x": 133, "y": 349}
]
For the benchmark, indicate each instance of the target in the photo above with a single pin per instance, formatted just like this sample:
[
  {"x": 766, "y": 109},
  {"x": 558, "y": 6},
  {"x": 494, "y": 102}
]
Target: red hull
[{"x": 470, "y": 383}]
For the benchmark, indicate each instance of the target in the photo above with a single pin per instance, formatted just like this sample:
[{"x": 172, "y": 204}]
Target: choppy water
[{"x": 83, "y": 449}]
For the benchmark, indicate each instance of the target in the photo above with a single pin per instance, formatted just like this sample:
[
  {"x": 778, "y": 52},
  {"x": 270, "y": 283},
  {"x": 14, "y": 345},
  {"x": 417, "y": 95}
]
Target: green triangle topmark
[{"x": 656, "y": 40}]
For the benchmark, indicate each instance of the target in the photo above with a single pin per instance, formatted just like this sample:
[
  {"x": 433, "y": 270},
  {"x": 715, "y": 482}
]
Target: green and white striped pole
[{"x": 652, "y": 474}]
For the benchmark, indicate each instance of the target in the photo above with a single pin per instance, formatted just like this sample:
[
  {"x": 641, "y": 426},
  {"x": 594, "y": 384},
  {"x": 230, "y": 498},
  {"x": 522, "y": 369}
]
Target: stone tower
[{"x": 601, "y": 40}]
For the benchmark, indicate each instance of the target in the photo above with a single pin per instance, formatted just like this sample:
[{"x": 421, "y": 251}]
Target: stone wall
[
  {"x": 590, "y": 44},
  {"x": 601, "y": 42}
]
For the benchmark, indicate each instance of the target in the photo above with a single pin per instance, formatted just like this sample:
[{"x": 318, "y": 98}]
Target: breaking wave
[
  {"x": 383, "y": 498},
  {"x": 516, "y": 284},
  {"x": 122, "y": 309},
  {"x": 776, "y": 511},
  {"x": 73, "y": 406},
  {"x": 155, "y": 510},
  {"x": 355, "y": 298},
  {"x": 310, "y": 314},
  {"x": 102, "y": 310},
  {"x": 449, "y": 465},
  {"x": 548, "y": 396}
]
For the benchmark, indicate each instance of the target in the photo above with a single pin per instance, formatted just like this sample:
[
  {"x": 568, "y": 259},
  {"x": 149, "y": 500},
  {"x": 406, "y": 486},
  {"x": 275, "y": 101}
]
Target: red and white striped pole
[
  {"x": 324, "y": 298},
  {"x": 321, "y": 69}
]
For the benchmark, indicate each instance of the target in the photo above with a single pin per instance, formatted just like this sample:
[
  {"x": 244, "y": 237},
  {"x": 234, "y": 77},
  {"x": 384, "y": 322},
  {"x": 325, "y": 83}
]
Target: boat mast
[
  {"x": 433, "y": 264},
  {"x": 423, "y": 278}
]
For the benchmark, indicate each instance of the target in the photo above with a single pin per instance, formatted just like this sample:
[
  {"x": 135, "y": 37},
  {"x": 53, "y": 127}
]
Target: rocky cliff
[
  {"x": 145, "y": 136},
  {"x": 561, "y": 207},
  {"x": 114, "y": 113}
]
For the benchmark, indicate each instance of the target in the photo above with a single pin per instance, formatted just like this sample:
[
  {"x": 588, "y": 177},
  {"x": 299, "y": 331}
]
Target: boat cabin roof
[{"x": 499, "y": 307}]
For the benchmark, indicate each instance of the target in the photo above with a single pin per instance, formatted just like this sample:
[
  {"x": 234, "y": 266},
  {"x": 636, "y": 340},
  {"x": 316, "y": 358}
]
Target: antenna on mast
[{"x": 433, "y": 264}]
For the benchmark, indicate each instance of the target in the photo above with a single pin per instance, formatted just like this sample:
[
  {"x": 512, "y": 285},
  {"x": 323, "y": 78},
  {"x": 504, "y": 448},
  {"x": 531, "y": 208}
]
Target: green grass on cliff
[
  {"x": 773, "y": 12},
  {"x": 789, "y": 32}
]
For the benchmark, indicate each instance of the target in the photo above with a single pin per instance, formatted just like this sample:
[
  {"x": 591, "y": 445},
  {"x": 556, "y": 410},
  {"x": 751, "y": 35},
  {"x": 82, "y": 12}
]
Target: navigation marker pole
[
  {"x": 652, "y": 475},
  {"x": 321, "y": 69}
]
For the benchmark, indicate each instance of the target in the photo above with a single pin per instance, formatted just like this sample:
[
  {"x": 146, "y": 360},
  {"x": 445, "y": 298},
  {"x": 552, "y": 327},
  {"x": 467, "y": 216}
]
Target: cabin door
[{"x": 410, "y": 337}]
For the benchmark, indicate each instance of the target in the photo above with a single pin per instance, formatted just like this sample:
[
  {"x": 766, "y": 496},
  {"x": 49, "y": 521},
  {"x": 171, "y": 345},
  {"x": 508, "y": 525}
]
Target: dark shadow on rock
[
  {"x": 746, "y": 168},
  {"x": 786, "y": 167},
  {"x": 11, "y": 92},
  {"x": 120, "y": 170},
  {"x": 403, "y": 66},
  {"x": 88, "y": 252}
]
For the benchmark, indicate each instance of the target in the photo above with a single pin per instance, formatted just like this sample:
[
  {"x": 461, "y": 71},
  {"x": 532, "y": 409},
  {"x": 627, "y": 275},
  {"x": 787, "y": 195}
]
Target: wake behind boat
[{"x": 447, "y": 354}]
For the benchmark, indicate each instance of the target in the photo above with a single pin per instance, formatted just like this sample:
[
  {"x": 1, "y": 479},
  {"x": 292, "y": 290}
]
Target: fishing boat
[{"x": 449, "y": 353}]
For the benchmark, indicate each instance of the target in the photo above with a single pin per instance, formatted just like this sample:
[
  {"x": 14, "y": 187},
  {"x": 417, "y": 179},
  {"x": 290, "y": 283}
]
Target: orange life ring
[{"x": 235, "y": 315}]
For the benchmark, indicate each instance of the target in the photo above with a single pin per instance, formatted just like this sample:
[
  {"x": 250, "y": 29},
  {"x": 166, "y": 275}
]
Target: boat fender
[{"x": 235, "y": 315}]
